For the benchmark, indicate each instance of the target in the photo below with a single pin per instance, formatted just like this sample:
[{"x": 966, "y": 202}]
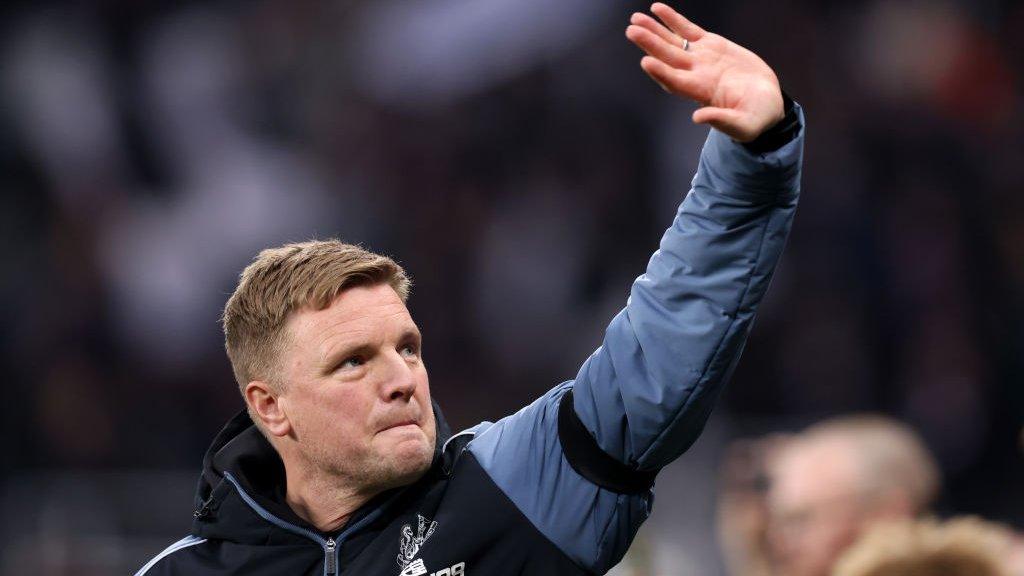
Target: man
[
  {"x": 343, "y": 465},
  {"x": 827, "y": 485}
]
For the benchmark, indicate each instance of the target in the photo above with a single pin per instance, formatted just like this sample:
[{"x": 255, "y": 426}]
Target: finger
[
  {"x": 645, "y": 21},
  {"x": 677, "y": 22},
  {"x": 655, "y": 46},
  {"x": 724, "y": 120},
  {"x": 658, "y": 82},
  {"x": 679, "y": 82},
  {"x": 657, "y": 79}
]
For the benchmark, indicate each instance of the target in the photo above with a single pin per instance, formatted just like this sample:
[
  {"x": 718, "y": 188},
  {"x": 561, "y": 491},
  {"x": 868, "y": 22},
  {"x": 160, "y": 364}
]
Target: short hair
[
  {"x": 958, "y": 547},
  {"x": 287, "y": 278},
  {"x": 892, "y": 455}
]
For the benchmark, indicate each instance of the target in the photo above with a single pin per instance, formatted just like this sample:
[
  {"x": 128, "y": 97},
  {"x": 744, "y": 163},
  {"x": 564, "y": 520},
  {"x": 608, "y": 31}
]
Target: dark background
[{"x": 515, "y": 159}]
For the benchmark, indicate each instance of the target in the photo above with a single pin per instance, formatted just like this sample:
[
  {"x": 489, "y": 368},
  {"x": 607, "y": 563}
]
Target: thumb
[{"x": 724, "y": 120}]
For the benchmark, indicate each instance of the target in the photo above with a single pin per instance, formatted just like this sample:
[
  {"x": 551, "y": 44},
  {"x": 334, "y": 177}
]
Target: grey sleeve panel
[
  {"x": 646, "y": 393},
  {"x": 523, "y": 456}
]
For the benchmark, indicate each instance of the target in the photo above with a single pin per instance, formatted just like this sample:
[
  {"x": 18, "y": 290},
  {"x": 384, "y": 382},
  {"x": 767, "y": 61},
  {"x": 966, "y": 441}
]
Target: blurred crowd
[
  {"x": 850, "y": 496},
  {"x": 514, "y": 158}
]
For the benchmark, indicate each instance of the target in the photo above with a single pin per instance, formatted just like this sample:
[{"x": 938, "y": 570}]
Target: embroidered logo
[{"x": 410, "y": 544}]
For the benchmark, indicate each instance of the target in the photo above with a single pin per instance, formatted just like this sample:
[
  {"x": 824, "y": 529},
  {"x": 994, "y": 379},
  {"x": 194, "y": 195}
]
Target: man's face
[
  {"x": 355, "y": 389},
  {"x": 816, "y": 507}
]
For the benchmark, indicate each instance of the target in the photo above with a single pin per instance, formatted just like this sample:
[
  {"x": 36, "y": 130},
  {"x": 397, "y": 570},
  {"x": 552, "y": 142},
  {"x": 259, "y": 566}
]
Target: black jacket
[
  {"x": 453, "y": 521},
  {"x": 561, "y": 486}
]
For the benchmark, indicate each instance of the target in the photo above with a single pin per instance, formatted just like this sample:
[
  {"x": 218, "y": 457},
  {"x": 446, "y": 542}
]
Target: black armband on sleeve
[
  {"x": 779, "y": 135},
  {"x": 593, "y": 463}
]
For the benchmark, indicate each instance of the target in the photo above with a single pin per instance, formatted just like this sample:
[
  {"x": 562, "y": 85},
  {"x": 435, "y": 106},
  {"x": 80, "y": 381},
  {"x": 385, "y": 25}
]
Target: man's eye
[
  {"x": 353, "y": 362},
  {"x": 409, "y": 350}
]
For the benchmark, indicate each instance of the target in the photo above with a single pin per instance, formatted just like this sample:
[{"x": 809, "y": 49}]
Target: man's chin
[
  {"x": 410, "y": 457},
  {"x": 405, "y": 454},
  {"x": 405, "y": 472}
]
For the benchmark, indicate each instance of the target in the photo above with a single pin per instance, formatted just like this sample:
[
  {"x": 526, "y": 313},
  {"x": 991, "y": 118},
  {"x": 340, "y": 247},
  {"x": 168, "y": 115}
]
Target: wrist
[{"x": 779, "y": 134}]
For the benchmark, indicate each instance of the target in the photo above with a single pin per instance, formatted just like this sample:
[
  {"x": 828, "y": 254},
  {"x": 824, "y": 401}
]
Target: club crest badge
[{"x": 411, "y": 542}]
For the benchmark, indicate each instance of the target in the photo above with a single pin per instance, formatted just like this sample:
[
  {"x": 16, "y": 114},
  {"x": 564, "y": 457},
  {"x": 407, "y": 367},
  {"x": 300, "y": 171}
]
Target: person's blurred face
[
  {"x": 816, "y": 507},
  {"x": 355, "y": 392}
]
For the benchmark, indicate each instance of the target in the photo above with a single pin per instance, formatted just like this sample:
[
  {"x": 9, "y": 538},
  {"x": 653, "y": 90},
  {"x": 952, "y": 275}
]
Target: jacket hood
[{"x": 242, "y": 472}]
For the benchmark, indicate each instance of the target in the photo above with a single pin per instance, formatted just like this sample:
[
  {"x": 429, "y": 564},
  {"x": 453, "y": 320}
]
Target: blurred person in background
[
  {"x": 956, "y": 547},
  {"x": 340, "y": 460},
  {"x": 742, "y": 509},
  {"x": 791, "y": 505}
]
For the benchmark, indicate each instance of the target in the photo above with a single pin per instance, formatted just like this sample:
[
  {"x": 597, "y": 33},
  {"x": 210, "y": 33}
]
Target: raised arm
[
  {"x": 646, "y": 393},
  {"x": 579, "y": 462}
]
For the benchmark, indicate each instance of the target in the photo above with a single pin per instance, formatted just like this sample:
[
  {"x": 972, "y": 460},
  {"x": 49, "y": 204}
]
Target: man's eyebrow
[
  {"x": 413, "y": 333},
  {"x": 330, "y": 360}
]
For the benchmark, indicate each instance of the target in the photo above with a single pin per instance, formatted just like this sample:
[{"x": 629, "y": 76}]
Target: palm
[{"x": 738, "y": 92}]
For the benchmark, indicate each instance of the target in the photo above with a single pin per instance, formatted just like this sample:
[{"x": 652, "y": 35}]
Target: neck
[{"x": 325, "y": 502}]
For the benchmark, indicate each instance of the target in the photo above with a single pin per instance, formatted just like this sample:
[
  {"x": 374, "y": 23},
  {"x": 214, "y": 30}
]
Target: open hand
[{"x": 739, "y": 94}]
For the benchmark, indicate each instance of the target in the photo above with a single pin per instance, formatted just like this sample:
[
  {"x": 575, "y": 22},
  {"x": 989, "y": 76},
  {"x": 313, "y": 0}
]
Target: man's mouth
[{"x": 400, "y": 423}]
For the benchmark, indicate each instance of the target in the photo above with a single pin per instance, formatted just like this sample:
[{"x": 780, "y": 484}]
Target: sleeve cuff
[
  {"x": 781, "y": 133},
  {"x": 731, "y": 168}
]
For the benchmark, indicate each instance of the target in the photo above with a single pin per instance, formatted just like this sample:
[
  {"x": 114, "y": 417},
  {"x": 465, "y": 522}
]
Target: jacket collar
[{"x": 241, "y": 491}]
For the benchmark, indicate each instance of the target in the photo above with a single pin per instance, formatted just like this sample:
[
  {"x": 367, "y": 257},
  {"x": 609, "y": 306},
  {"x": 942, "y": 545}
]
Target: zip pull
[
  {"x": 203, "y": 510},
  {"x": 330, "y": 550}
]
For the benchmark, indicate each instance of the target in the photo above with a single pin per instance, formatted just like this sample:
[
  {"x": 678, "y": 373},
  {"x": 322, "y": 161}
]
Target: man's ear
[{"x": 264, "y": 403}]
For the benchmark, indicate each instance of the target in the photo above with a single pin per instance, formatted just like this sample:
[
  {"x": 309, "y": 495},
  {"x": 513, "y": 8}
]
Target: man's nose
[{"x": 400, "y": 382}]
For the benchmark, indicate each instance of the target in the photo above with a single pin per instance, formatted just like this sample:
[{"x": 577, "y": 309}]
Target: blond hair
[
  {"x": 290, "y": 277},
  {"x": 892, "y": 455},
  {"x": 959, "y": 547}
]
